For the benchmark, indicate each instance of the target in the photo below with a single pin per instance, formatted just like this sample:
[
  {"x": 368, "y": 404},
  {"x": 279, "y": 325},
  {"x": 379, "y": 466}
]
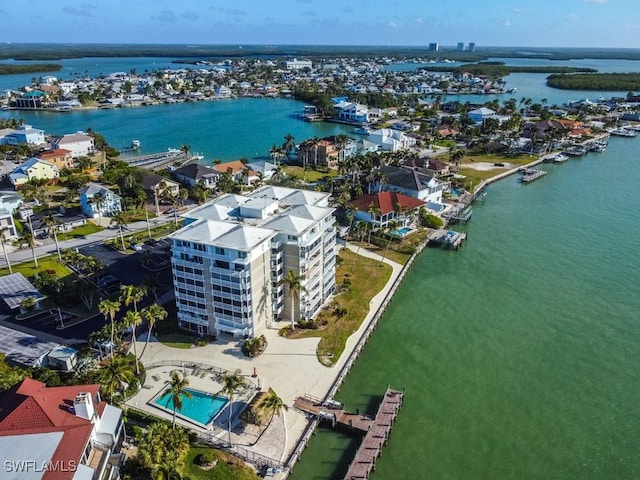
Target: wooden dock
[
  {"x": 531, "y": 174},
  {"x": 447, "y": 238},
  {"x": 376, "y": 430}
]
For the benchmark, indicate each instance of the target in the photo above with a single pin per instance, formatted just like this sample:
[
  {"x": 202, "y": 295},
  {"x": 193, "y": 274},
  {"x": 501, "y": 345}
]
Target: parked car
[{"x": 137, "y": 247}]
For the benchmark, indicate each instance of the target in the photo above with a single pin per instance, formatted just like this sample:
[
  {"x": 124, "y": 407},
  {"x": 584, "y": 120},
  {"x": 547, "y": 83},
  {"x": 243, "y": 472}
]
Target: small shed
[{"x": 62, "y": 358}]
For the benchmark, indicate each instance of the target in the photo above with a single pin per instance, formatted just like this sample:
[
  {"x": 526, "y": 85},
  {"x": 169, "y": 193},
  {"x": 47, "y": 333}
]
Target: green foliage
[
  {"x": 207, "y": 457},
  {"x": 10, "y": 375},
  {"x": 596, "y": 81},
  {"x": 31, "y": 68}
]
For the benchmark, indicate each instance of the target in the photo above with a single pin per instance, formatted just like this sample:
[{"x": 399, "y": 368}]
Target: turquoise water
[
  {"x": 201, "y": 407},
  {"x": 519, "y": 352}
]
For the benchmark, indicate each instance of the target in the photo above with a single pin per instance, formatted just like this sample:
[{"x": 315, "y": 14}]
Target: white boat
[
  {"x": 575, "y": 151},
  {"x": 559, "y": 158},
  {"x": 362, "y": 131},
  {"x": 623, "y": 132}
]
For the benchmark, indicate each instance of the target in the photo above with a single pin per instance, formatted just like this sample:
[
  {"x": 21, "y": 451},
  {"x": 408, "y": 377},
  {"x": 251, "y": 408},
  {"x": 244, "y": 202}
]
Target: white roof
[
  {"x": 36, "y": 448},
  {"x": 289, "y": 225},
  {"x": 224, "y": 234},
  {"x": 109, "y": 420}
]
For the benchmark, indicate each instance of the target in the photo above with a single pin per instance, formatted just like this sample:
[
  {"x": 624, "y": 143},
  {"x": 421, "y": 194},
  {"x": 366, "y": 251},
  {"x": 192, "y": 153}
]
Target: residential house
[
  {"x": 326, "y": 152},
  {"x": 23, "y": 134},
  {"x": 479, "y": 115},
  {"x": 61, "y": 158},
  {"x": 193, "y": 174},
  {"x": 412, "y": 183},
  {"x": 352, "y": 112},
  {"x": 381, "y": 208},
  {"x": 229, "y": 258},
  {"x": 158, "y": 185},
  {"x": 390, "y": 140},
  {"x": 239, "y": 171},
  {"x": 30, "y": 100},
  {"x": 98, "y": 201},
  {"x": 80, "y": 144},
  {"x": 33, "y": 169},
  {"x": 65, "y": 221},
  {"x": 65, "y": 433},
  {"x": 7, "y": 225},
  {"x": 264, "y": 168}
]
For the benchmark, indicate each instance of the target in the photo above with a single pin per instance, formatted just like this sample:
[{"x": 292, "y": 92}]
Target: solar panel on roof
[{"x": 15, "y": 288}]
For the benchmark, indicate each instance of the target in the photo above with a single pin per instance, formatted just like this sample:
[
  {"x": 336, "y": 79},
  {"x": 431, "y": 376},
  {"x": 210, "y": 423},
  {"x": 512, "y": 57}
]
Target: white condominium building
[{"x": 233, "y": 251}]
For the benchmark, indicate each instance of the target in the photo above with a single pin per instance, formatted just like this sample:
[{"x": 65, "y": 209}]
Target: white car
[{"x": 137, "y": 247}]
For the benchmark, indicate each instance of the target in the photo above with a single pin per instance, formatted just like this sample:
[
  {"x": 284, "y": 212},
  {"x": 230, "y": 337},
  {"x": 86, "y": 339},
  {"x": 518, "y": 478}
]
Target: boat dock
[
  {"x": 447, "y": 238},
  {"x": 158, "y": 160},
  {"x": 531, "y": 174},
  {"x": 376, "y": 430},
  {"x": 459, "y": 215}
]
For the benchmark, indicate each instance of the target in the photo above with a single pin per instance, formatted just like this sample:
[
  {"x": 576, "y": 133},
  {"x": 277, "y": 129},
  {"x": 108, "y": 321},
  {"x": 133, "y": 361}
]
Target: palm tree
[
  {"x": 176, "y": 388},
  {"x": 373, "y": 212},
  {"x": 293, "y": 282},
  {"x": 131, "y": 295},
  {"x": 52, "y": 225},
  {"x": 288, "y": 144},
  {"x": 109, "y": 308},
  {"x": 391, "y": 226},
  {"x": 133, "y": 320},
  {"x": 115, "y": 376},
  {"x": 153, "y": 313},
  {"x": 185, "y": 150},
  {"x": 274, "y": 404},
  {"x": 232, "y": 383},
  {"x": 341, "y": 142},
  {"x": 98, "y": 202},
  {"x": 27, "y": 239},
  {"x": 4, "y": 248},
  {"x": 120, "y": 221}
]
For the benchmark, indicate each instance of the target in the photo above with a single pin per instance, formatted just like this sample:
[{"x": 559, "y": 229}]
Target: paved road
[{"x": 48, "y": 247}]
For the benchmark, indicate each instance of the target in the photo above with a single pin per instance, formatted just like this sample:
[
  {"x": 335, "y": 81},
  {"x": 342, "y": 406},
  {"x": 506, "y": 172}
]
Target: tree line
[
  {"x": 596, "y": 81},
  {"x": 31, "y": 68}
]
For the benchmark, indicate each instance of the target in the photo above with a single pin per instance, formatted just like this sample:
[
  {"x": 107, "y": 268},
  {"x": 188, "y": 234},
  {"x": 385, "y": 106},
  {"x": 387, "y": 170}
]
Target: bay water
[{"x": 519, "y": 353}]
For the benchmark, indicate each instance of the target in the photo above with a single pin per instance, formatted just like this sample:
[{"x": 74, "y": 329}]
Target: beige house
[{"x": 33, "y": 169}]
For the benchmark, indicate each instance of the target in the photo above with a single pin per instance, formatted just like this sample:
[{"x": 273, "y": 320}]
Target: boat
[
  {"x": 135, "y": 145},
  {"x": 597, "y": 146},
  {"x": 575, "y": 151},
  {"x": 623, "y": 132},
  {"x": 362, "y": 130},
  {"x": 559, "y": 158}
]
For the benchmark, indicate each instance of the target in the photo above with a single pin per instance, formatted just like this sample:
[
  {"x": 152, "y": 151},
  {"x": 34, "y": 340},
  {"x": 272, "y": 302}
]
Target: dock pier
[
  {"x": 531, "y": 174},
  {"x": 447, "y": 238},
  {"x": 376, "y": 430}
]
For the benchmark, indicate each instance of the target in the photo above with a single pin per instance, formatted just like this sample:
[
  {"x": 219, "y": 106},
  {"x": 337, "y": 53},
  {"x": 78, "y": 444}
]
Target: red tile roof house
[
  {"x": 391, "y": 206},
  {"x": 58, "y": 433}
]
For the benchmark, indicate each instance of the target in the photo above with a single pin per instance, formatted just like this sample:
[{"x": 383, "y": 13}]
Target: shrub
[{"x": 207, "y": 458}]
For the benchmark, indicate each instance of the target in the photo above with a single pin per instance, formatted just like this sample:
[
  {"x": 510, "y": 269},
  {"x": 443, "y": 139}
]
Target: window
[
  {"x": 242, "y": 254},
  {"x": 219, "y": 251}
]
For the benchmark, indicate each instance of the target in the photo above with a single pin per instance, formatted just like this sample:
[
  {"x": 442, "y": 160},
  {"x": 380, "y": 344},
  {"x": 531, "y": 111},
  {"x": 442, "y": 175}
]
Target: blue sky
[{"x": 563, "y": 23}]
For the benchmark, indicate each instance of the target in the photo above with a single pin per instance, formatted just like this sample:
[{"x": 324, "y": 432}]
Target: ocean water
[{"x": 519, "y": 353}]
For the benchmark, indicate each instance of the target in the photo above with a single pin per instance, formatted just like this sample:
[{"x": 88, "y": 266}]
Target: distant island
[
  {"x": 628, "y": 82},
  {"x": 29, "y": 68},
  {"x": 499, "y": 69}
]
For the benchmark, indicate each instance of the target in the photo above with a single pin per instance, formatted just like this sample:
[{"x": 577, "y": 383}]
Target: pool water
[
  {"x": 202, "y": 407},
  {"x": 401, "y": 232}
]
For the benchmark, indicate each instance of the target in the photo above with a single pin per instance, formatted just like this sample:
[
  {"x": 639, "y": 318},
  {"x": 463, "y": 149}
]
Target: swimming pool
[
  {"x": 435, "y": 207},
  {"x": 401, "y": 232},
  {"x": 202, "y": 408}
]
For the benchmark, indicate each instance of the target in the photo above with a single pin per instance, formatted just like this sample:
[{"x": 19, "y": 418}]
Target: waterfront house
[
  {"x": 98, "y": 201},
  {"x": 264, "y": 168},
  {"x": 61, "y": 157},
  {"x": 479, "y": 115},
  {"x": 351, "y": 112},
  {"x": 23, "y": 134},
  {"x": 68, "y": 429},
  {"x": 233, "y": 251},
  {"x": 326, "y": 152},
  {"x": 80, "y": 144},
  {"x": 379, "y": 209},
  {"x": 30, "y": 100},
  {"x": 33, "y": 169},
  {"x": 412, "y": 183},
  {"x": 390, "y": 140},
  {"x": 193, "y": 174}
]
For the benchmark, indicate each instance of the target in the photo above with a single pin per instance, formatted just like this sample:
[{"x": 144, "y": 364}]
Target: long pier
[
  {"x": 376, "y": 430},
  {"x": 531, "y": 174}
]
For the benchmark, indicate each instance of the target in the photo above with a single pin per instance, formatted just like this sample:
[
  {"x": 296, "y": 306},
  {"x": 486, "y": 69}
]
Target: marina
[{"x": 376, "y": 429}]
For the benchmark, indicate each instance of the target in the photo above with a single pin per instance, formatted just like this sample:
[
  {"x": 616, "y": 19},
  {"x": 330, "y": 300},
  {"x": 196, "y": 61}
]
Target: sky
[{"x": 543, "y": 23}]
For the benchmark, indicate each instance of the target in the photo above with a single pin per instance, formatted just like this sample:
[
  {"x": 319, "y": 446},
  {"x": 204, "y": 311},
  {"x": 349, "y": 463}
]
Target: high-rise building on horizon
[
  {"x": 434, "y": 47},
  {"x": 460, "y": 47},
  {"x": 471, "y": 47}
]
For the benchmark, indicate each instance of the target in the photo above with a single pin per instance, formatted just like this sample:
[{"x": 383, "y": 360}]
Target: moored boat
[{"x": 623, "y": 132}]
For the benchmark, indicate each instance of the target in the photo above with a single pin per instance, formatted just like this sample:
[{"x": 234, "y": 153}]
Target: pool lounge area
[
  {"x": 401, "y": 232},
  {"x": 202, "y": 408}
]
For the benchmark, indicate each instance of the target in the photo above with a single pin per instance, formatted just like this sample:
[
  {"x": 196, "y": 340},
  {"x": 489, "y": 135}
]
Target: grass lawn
[
  {"x": 367, "y": 278},
  {"x": 477, "y": 176},
  {"x": 44, "y": 263},
  {"x": 168, "y": 332},
  {"x": 79, "y": 232},
  {"x": 227, "y": 468},
  {"x": 311, "y": 176}
]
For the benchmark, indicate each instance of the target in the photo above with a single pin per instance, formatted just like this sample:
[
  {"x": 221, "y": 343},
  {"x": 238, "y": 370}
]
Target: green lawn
[
  {"x": 367, "y": 277},
  {"x": 79, "y": 232},
  {"x": 311, "y": 175},
  {"x": 44, "y": 263},
  {"x": 227, "y": 468}
]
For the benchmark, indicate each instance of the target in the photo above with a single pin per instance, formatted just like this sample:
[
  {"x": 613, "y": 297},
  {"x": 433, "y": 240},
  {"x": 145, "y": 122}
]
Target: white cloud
[
  {"x": 393, "y": 24},
  {"x": 506, "y": 22}
]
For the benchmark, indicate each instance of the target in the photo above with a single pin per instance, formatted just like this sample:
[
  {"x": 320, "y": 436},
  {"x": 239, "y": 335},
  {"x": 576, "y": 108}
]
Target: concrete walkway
[{"x": 290, "y": 367}]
